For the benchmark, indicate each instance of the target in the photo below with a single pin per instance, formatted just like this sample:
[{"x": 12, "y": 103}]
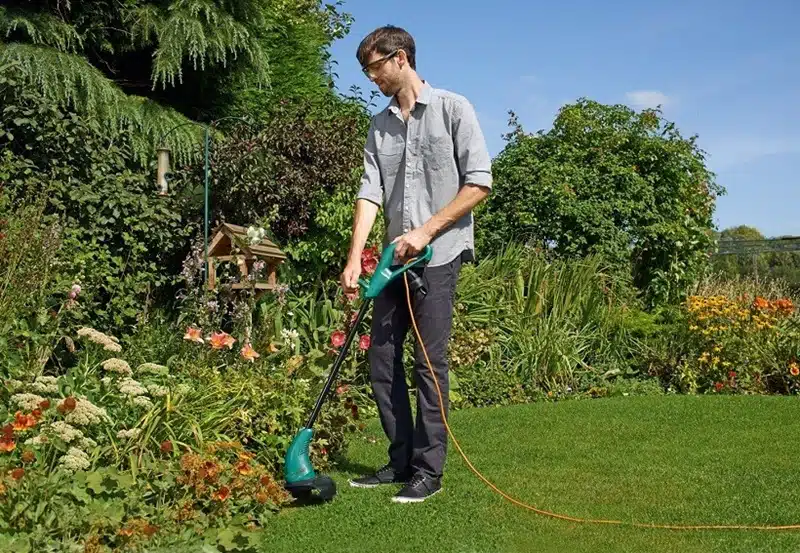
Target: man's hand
[
  {"x": 412, "y": 243},
  {"x": 349, "y": 278}
]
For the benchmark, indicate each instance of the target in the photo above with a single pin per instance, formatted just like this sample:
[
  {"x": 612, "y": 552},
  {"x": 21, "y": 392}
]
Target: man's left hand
[{"x": 411, "y": 243}]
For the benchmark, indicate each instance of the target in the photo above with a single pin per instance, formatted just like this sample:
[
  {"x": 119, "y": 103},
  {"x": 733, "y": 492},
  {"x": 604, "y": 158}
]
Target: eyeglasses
[{"x": 367, "y": 68}]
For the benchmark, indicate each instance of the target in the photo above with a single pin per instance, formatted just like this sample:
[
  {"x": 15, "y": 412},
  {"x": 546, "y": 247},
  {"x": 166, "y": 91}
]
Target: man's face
[{"x": 384, "y": 71}]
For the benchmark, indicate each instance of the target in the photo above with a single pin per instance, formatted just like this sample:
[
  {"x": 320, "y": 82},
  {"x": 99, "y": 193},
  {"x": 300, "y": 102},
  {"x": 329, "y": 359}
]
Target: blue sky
[{"x": 728, "y": 71}]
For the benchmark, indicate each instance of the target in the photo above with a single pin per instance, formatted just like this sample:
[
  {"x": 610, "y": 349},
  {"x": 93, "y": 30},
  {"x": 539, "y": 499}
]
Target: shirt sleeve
[
  {"x": 371, "y": 188},
  {"x": 472, "y": 155}
]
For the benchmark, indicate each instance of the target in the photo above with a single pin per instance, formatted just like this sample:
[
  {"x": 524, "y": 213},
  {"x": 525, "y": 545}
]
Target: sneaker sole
[
  {"x": 414, "y": 499},
  {"x": 359, "y": 485}
]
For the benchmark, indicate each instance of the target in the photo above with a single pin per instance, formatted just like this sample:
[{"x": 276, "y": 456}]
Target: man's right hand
[{"x": 349, "y": 279}]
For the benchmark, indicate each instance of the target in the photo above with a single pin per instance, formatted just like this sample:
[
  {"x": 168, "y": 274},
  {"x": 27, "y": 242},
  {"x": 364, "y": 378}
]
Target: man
[{"x": 426, "y": 164}]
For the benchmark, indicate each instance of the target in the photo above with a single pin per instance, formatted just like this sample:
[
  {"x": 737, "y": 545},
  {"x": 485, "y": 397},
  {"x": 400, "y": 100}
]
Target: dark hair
[{"x": 386, "y": 40}]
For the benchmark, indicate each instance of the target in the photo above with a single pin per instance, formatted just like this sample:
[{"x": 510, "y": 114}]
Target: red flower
[
  {"x": 18, "y": 473},
  {"x": 369, "y": 260},
  {"x": 221, "y": 494},
  {"x": 44, "y": 404},
  {"x": 166, "y": 446},
  {"x": 338, "y": 338},
  {"x": 719, "y": 386},
  {"x": 369, "y": 265},
  {"x": 732, "y": 374},
  {"x": 364, "y": 342}
]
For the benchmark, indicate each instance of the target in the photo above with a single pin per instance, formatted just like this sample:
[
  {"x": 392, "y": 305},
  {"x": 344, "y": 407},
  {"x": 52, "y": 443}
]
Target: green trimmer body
[{"x": 301, "y": 480}]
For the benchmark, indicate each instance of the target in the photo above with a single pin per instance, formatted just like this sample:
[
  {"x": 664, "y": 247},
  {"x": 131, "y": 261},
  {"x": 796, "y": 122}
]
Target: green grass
[{"x": 677, "y": 460}]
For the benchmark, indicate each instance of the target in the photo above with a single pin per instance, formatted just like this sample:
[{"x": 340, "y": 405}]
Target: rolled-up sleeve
[
  {"x": 472, "y": 155},
  {"x": 371, "y": 188}
]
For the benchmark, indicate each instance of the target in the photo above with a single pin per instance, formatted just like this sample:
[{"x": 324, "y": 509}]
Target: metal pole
[
  {"x": 337, "y": 363},
  {"x": 205, "y": 275}
]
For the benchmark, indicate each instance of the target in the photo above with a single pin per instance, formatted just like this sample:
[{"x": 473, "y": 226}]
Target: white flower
[
  {"x": 128, "y": 434},
  {"x": 27, "y": 402},
  {"x": 37, "y": 440},
  {"x": 106, "y": 380},
  {"x": 289, "y": 334},
  {"x": 152, "y": 368},
  {"x": 14, "y": 385},
  {"x": 75, "y": 459},
  {"x": 109, "y": 343},
  {"x": 143, "y": 401},
  {"x": 255, "y": 235},
  {"x": 118, "y": 366},
  {"x": 65, "y": 431},
  {"x": 45, "y": 385},
  {"x": 131, "y": 387},
  {"x": 86, "y": 413},
  {"x": 157, "y": 391},
  {"x": 88, "y": 443}
]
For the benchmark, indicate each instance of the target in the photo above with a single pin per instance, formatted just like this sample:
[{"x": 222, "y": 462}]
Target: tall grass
[{"x": 552, "y": 319}]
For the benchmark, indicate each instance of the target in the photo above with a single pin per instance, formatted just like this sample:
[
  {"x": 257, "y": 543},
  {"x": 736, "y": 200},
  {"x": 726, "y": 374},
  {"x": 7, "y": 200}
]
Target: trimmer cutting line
[{"x": 303, "y": 482}]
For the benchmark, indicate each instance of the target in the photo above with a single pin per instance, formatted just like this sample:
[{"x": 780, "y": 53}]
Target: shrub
[
  {"x": 607, "y": 181},
  {"x": 120, "y": 239}
]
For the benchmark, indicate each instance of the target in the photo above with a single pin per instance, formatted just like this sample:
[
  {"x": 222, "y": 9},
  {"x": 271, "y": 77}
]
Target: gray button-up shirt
[{"x": 413, "y": 169}]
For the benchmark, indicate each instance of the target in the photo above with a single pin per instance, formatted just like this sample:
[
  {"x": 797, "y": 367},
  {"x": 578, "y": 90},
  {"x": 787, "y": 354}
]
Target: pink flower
[
  {"x": 364, "y": 342},
  {"x": 193, "y": 334},
  {"x": 338, "y": 338},
  {"x": 249, "y": 353},
  {"x": 220, "y": 340}
]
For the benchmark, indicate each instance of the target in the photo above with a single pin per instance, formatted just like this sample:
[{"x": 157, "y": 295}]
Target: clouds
[{"x": 643, "y": 99}]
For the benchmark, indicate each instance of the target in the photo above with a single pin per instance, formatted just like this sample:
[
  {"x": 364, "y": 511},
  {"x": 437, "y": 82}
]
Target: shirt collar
[{"x": 423, "y": 98}]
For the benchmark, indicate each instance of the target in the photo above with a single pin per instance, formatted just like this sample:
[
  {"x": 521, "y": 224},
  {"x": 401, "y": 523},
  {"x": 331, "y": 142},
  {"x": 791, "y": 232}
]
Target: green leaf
[{"x": 94, "y": 481}]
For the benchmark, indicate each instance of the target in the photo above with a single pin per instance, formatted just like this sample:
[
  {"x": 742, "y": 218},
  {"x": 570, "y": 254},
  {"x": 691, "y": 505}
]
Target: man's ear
[{"x": 402, "y": 57}]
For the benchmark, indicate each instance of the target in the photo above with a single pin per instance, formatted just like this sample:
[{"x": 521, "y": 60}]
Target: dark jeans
[{"x": 421, "y": 446}]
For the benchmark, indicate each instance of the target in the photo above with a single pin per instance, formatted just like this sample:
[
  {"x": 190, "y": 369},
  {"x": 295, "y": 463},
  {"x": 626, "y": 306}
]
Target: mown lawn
[{"x": 676, "y": 460}]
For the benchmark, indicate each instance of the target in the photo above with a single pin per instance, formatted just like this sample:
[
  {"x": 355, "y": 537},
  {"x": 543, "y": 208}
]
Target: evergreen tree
[{"x": 144, "y": 67}]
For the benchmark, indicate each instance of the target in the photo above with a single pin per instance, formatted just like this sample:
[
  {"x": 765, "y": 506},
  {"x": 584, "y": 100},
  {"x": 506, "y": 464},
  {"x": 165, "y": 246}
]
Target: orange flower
[
  {"x": 221, "y": 494},
  {"x": 244, "y": 468},
  {"x": 67, "y": 405},
  {"x": 249, "y": 353},
  {"x": 220, "y": 340},
  {"x": 18, "y": 473},
  {"x": 760, "y": 303},
  {"x": 794, "y": 369},
  {"x": 7, "y": 446},
  {"x": 262, "y": 497},
  {"x": 23, "y": 422},
  {"x": 193, "y": 334},
  {"x": 28, "y": 457}
]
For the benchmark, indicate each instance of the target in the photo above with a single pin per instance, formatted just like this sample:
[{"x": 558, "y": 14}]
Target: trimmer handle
[{"x": 384, "y": 274}]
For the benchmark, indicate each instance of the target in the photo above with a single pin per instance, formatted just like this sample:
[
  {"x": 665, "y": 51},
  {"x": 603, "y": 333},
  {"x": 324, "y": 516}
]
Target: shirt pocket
[
  {"x": 437, "y": 151},
  {"x": 390, "y": 154}
]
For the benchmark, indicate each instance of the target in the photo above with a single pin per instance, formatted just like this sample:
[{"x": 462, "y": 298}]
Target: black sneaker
[
  {"x": 418, "y": 489},
  {"x": 384, "y": 475}
]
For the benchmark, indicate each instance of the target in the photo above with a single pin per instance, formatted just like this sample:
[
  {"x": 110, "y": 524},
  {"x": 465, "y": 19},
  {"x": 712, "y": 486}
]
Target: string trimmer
[{"x": 300, "y": 478}]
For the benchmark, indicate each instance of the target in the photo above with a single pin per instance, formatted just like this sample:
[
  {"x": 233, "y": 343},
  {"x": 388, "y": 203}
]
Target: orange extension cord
[{"x": 557, "y": 515}]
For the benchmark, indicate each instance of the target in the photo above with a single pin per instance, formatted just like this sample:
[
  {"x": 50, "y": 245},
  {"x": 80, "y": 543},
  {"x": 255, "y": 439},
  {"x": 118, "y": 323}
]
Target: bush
[
  {"x": 296, "y": 175},
  {"x": 121, "y": 240},
  {"x": 607, "y": 181}
]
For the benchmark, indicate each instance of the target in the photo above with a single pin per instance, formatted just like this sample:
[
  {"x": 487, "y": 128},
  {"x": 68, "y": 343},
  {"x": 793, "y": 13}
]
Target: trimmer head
[{"x": 322, "y": 487}]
